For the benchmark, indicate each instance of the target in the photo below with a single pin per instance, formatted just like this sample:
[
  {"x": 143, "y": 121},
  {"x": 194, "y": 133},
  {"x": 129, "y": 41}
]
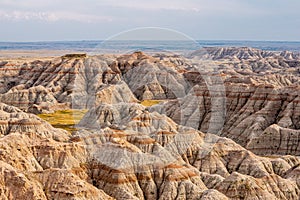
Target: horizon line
[{"x": 101, "y": 40}]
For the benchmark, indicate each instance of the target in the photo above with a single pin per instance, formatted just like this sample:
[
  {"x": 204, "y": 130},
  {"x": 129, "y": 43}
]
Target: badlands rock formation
[{"x": 227, "y": 126}]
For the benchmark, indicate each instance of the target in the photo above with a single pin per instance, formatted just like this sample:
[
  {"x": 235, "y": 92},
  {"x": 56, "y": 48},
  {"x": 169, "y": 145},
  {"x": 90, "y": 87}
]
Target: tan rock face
[
  {"x": 13, "y": 120},
  {"x": 261, "y": 118},
  {"x": 64, "y": 184},
  {"x": 226, "y": 135},
  {"x": 37, "y": 164},
  {"x": 25, "y": 98},
  {"x": 223, "y": 165},
  {"x": 64, "y": 80},
  {"x": 15, "y": 185}
]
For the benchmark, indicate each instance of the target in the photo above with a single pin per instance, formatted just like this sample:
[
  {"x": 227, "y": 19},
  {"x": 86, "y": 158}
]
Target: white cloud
[
  {"x": 29, "y": 4},
  {"x": 52, "y": 16},
  {"x": 188, "y": 5},
  {"x": 22, "y": 15},
  {"x": 80, "y": 17},
  {"x": 88, "y": 10},
  {"x": 191, "y": 5},
  {"x": 221, "y": 19}
]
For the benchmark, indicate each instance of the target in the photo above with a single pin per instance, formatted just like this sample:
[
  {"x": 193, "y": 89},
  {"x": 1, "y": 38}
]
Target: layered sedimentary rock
[
  {"x": 227, "y": 126},
  {"x": 223, "y": 165},
  {"x": 252, "y": 115},
  {"x": 37, "y": 161},
  {"x": 148, "y": 157},
  {"x": 253, "y": 103},
  {"x": 63, "y": 80},
  {"x": 242, "y": 53},
  {"x": 14, "y": 120}
]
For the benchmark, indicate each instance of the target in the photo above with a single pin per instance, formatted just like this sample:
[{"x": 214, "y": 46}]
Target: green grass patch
[
  {"x": 65, "y": 119},
  {"x": 75, "y": 55},
  {"x": 149, "y": 103}
]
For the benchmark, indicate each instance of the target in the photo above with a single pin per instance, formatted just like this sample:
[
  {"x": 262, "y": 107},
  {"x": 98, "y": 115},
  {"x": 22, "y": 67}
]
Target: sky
[{"x": 58, "y": 20}]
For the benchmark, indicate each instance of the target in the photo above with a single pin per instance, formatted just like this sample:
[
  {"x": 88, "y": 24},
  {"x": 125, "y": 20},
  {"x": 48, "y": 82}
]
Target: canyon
[{"x": 224, "y": 123}]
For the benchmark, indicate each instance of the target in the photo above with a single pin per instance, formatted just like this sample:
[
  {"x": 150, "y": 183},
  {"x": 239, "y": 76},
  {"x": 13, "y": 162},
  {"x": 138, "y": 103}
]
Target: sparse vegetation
[
  {"x": 65, "y": 119},
  {"x": 75, "y": 55},
  {"x": 149, "y": 103}
]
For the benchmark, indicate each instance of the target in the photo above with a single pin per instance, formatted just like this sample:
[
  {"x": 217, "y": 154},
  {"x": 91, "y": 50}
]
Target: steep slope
[
  {"x": 68, "y": 81},
  {"x": 222, "y": 163},
  {"x": 37, "y": 162},
  {"x": 220, "y": 109}
]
